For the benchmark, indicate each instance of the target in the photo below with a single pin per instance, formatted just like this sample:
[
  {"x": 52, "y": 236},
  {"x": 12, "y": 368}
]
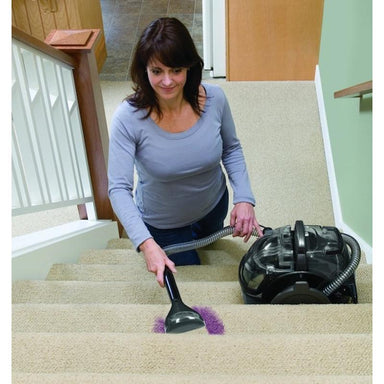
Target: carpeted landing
[{"x": 94, "y": 322}]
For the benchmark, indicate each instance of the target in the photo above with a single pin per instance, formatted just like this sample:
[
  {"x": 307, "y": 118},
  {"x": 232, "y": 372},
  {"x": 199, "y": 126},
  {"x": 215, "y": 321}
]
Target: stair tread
[
  {"x": 145, "y": 292},
  {"x": 250, "y": 319},
  {"x": 96, "y": 272},
  {"x": 108, "y": 378},
  {"x": 141, "y": 290},
  {"x": 130, "y": 256},
  {"x": 120, "y": 243},
  {"x": 113, "y": 272},
  {"x": 192, "y": 353},
  {"x": 225, "y": 242},
  {"x": 230, "y": 245},
  {"x": 233, "y": 246}
]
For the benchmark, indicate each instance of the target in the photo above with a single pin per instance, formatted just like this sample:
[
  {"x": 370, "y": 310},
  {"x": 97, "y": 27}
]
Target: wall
[{"x": 345, "y": 60}]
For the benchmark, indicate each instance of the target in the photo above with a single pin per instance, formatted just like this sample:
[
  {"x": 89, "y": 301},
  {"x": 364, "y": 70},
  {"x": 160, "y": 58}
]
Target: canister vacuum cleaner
[{"x": 309, "y": 264}]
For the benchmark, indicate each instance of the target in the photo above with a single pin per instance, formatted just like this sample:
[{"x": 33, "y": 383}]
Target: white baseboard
[
  {"x": 34, "y": 254},
  {"x": 337, "y": 212},
  {"x": 328, "y": 150}
]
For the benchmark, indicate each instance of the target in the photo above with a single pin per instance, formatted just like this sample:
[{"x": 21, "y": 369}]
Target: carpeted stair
[{"x": 94, "y": 322}]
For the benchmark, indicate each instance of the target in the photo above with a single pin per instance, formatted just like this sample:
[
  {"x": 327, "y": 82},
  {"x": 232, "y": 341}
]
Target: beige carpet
[{"x": 92, "y": 322}]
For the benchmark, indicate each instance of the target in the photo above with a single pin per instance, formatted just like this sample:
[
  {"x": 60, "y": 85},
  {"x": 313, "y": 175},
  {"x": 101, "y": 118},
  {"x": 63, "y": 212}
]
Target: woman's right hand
[{"x": 156, "y": 259}]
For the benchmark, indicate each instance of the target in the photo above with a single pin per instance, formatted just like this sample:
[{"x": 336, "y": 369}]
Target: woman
[{"x": 177, "y": 132}]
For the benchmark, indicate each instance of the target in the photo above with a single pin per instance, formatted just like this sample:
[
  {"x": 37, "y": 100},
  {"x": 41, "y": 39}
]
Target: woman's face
[{"x": 167, "y": 82}]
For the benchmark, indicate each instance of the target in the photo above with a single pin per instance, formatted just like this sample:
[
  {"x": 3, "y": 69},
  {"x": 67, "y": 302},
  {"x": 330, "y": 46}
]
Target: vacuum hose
[
  {"x": 226, "y": 231},
  {"x": 182, "y": 247},
  {"x": 351, "y": 267}
]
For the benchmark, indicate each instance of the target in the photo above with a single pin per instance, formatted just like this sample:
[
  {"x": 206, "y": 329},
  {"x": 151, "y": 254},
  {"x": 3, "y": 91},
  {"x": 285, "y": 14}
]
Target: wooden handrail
[
  {"x": 355, "y": 91},
  {"x": 20, "y": 35},
  {"x": 80, "y": 44}
]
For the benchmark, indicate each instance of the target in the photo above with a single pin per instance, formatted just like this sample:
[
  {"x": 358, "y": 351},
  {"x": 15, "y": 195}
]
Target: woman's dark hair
[{"x": 167, "y": 40}]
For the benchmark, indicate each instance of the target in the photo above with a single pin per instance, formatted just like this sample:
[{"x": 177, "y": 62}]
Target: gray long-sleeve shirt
[{"x": 180, "y": 177}]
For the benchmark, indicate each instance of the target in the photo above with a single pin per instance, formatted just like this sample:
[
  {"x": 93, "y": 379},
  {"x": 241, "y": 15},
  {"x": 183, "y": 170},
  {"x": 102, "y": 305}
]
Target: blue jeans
[{"x": 211, "y": 223}]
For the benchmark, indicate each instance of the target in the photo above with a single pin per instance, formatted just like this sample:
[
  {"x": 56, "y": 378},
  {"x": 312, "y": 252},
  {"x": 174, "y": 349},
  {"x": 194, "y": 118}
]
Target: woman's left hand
[{"x": 243, "y": 219}]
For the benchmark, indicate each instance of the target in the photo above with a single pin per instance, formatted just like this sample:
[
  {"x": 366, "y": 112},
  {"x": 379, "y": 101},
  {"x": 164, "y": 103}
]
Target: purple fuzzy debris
[
  {"x": 213, "y": 324},
  {"x": 159, "y": 326}
]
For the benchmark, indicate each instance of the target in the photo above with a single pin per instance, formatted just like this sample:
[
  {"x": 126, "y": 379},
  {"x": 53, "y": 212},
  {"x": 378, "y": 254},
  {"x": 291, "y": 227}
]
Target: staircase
[{"x": 98, "y": 322}]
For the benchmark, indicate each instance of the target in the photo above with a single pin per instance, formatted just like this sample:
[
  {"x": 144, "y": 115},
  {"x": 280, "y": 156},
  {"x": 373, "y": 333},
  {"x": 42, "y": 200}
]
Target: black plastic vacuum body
[{"x": 309, "y": 265}]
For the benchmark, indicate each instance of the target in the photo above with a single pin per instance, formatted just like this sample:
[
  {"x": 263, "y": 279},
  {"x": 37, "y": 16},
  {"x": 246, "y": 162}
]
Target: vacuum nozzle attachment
[{"x": 180, "y": 318}]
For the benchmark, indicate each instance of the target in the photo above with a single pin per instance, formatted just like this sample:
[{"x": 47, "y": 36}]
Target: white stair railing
[{"x": 49, "y": 162}]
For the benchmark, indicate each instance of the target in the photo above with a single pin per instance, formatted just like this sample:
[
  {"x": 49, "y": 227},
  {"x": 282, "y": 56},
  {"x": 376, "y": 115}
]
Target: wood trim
[
  {"x": 41, "y": 46},
  {"x": 355, "y": 91},
  {"x": 39, "y": 17},
  {"x": 74, "y": 40},
  {"x": 89, "y": 117}
]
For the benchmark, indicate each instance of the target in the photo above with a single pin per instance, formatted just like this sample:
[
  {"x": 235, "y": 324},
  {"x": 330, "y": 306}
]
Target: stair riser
[
  {"x": 141, "y": 292},
  {"x": 91, "y": 378},
  {"x": 193, "y": 354},
  {"x": 236, "y": 319}
]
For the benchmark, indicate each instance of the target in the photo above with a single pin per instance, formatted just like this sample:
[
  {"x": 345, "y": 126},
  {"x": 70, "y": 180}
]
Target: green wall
[{"x": 346, "y": 60}]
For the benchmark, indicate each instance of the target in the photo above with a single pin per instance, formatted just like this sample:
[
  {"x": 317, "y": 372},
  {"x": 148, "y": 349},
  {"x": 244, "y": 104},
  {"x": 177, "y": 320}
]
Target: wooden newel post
[{"x": 80, "y": 45}]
